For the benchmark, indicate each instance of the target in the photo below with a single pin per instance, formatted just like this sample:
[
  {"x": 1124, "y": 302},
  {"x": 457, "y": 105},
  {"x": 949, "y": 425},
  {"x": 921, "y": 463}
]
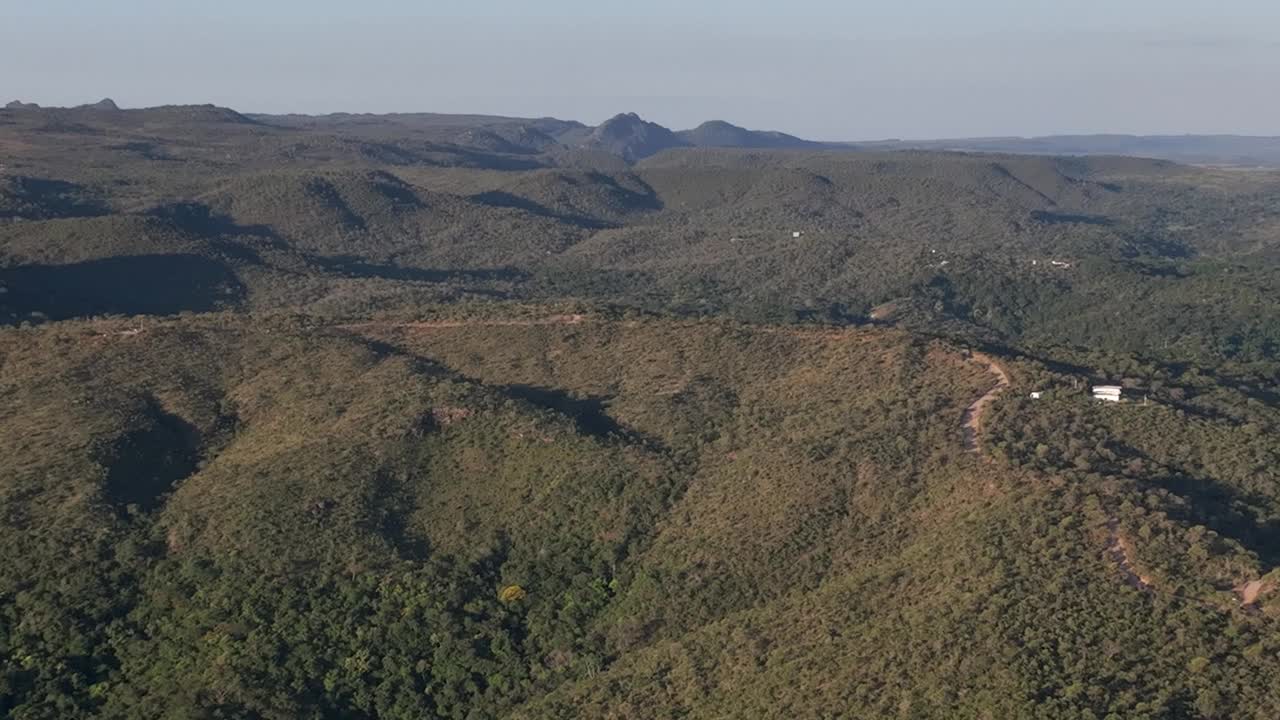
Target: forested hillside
[
  {"x": 465, "y": 417},
  {"x": 340, "y": 216},
  {"x": 526, "y": 516}
]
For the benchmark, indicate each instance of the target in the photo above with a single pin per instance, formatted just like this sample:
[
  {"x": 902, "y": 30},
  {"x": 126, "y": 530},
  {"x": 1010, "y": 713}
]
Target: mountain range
[
  {"x": 388, "y": 417},
  {"x": 632, "y": 138}
]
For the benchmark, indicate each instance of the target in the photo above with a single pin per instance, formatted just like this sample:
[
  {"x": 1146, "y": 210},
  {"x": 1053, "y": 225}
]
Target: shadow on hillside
[
  {"x": 199, "y": 219},
  {"x": 145, "y": 464},
  {"x": 146, "y": 150},
  {"x": 589, "y": 414},
  {"x": 634, "y": 200},
  {"x": 618, "y": 198},
  {"x": 395, "y": 189},
  {"x": 354, "y": 267},
  {"x": 1227, "y": 512},
  {"x": 131, "y": 285},
  {"x": 500, "y": 199},
  {"x": 1223, "y": 509},
  {"x": 391, "y": 507},
  {"x": 493, "y": 161},
  {"x": 1062, "y": 218},
  {"x": 31, "y": 198},
  {"x": 1257, "y": 392},
  {"x": 1162, "y": 248}
]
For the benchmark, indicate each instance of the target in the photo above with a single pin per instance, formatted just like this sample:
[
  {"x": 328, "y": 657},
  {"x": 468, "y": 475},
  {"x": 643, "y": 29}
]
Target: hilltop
[
  {"x": 632, "y": 137},
  {"x": 106, "y": 104},
  {"x": 718, "y": 133}
]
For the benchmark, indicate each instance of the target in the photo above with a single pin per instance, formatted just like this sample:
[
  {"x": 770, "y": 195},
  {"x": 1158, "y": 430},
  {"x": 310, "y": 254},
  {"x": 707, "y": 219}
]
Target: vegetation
[
  {"x": 331, "y": 218},
  {"x": 425, "y": 417}
]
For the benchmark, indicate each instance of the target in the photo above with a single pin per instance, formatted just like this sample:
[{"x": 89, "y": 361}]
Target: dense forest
[{"x": 464, "y": 417}]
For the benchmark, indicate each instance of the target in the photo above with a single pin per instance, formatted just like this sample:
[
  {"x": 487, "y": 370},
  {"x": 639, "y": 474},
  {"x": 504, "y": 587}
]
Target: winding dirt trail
[
  {"x": 1118, "y": 551},
  {"x": 971, "y": 421},
  {"x": 574, "y": 319}
]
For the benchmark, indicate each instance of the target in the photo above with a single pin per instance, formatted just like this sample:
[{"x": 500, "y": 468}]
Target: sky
[{"x": 822, "y": 69}]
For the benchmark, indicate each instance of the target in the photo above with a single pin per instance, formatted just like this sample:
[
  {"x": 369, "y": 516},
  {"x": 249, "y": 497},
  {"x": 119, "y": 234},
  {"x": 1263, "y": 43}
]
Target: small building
[
  {"x": 797, "y": 234},
  {"x": 1107, "y": 393},
  {"x": 1037, "y": 395}
]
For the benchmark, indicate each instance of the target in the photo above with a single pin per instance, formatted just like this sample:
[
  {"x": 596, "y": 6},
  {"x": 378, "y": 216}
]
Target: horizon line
[{"x": 932, "y": 139}]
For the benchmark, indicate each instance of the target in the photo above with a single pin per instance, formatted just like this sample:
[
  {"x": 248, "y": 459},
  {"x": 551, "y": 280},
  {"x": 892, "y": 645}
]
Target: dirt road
[
  {"x": 431, "y": 324},
  {"x": 972, "y": 418}
]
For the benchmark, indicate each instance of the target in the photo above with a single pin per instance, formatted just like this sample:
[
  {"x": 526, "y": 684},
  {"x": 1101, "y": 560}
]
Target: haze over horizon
[{"x": 821, "y": 70}]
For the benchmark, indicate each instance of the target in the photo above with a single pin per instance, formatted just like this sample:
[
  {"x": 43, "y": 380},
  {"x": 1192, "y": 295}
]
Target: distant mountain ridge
[
  {"x": 631, "y": 138},
  {"x": 1233, "y": 150},
  {"x": 626, "y": 135},
  {"x": 103, "y": 104},
  {"x": 106, "y": 110},
  {"x": 718, "y": 133}
]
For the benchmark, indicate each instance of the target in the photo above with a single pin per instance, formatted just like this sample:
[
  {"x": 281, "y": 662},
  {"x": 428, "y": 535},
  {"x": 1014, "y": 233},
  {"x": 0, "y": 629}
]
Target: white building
[
  {"x": 1107, "y": 393},
  {"x": 796, "y": 234},
  {"x": 1037, "y": 395}
]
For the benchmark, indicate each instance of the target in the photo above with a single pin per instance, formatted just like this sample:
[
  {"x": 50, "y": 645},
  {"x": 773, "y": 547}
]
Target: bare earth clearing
[{"x": 1251, "y": 591}]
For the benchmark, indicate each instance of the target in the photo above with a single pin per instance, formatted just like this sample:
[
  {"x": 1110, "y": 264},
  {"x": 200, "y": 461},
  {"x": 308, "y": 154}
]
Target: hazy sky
[{"x": 826, "y": 69}]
